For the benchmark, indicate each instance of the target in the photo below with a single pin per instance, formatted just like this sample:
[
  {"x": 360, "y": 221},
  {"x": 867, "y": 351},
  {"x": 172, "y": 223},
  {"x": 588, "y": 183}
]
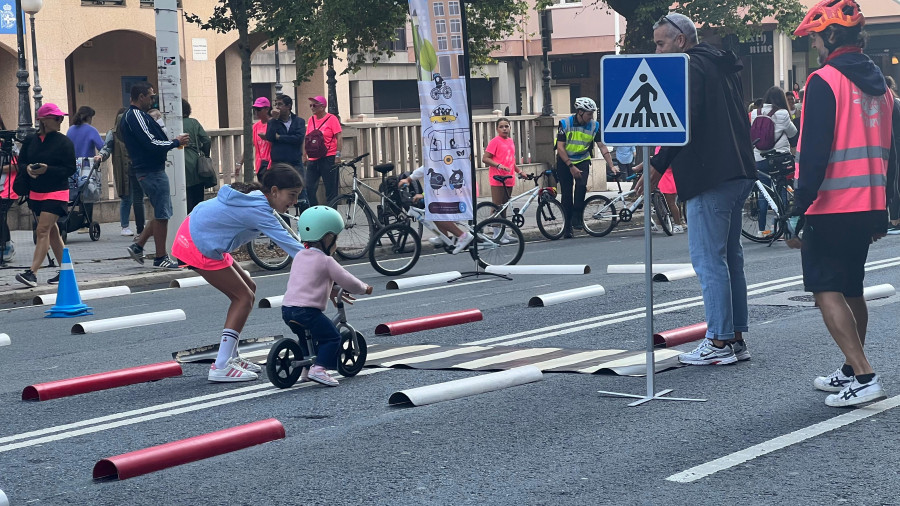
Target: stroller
[{"x": 84, "y": 188}]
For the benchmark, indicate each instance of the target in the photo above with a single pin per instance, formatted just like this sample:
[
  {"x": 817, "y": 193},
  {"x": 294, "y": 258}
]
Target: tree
[
  {"x": 740, "y": 17},
  {"x": 231, "y": 15}
]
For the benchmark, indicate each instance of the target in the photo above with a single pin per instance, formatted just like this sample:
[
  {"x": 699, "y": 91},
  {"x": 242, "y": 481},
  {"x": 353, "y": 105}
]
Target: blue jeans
[
  {"x": 136, "y": 199},
  {"x": 714, "y": 238},
  {"x": 324, "y": 333}
]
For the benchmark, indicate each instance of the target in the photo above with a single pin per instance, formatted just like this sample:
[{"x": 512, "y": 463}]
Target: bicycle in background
[
  {"x": 551, "y": 219},
  {"x": 601, "y": 215}
]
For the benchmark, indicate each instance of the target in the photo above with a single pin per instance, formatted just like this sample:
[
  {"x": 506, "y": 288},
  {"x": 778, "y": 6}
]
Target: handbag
[{"x": 206, "y": 170}]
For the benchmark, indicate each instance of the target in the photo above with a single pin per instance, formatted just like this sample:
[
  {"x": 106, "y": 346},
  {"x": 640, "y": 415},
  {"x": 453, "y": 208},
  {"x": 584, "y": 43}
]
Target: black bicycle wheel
[
  {"x": 663, "y": 213},
  {"x": 394, "y": 249},
  {"x": 772, "y": 228},
  {"x": 600, "y": 216},
  {"x": 351, "y": 359},
  {"x": 500, "y": 251},
  {"x": 359, "y": 226},
  {"x": 282, "y": 365},
  {"x": 267, "y": 254},
  {"x": 551, "y": 219}
]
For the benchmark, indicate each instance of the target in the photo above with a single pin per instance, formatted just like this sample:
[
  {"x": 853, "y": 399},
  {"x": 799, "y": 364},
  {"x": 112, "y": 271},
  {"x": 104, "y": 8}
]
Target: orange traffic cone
[{"x": 68, "y": 300}]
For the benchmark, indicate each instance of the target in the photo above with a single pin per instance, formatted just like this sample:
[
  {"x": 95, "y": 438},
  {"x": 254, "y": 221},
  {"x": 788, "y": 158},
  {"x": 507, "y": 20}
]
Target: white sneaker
[
  {"x": 463, "y": 242},
  {"x": 678, "y": 229},
  {"x": 230, "y": 374},
  {"x": 834, "y": 382},
  {"x": 84, "y": 230},
  {"x": 496, "y": 234},
  {"x": 857, "y": 393},
  {"x": 127, "y": 232},
  {"x": 436, "y": 241},
  {"x": 508, "y": 238},
  {"x": 707, "y": 354},
  {"x": 243, "y": 363},
  {"x": 322, "y": 377}
]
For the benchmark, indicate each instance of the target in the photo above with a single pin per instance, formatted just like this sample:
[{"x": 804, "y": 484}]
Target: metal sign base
[{"x": 643, "y": 398}]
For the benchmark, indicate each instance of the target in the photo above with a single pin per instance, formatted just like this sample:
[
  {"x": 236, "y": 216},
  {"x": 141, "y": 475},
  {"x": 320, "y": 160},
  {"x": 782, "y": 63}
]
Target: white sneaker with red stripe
[
  {"x": 243, "y": 363},
  {"x": 231, "y": 373}
]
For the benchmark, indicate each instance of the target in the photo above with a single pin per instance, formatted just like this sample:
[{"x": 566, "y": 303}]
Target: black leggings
[{"x": 574, "y": 207}]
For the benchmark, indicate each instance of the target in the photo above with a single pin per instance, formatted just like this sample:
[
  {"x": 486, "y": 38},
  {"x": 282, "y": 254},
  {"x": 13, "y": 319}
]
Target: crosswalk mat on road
[{"x": 475, "y": 358}]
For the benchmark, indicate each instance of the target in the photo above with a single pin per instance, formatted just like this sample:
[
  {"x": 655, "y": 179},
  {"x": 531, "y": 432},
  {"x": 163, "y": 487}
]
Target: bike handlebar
[{"x": 353, "y": 162}]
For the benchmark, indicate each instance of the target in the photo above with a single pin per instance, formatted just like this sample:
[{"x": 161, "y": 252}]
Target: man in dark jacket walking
[
  {"x": 286, "y": 132},
  {"x": 714, "y": 174}
]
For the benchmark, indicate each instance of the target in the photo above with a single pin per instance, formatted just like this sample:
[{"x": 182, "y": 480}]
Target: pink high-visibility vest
[{"x": 856, "y": 175}]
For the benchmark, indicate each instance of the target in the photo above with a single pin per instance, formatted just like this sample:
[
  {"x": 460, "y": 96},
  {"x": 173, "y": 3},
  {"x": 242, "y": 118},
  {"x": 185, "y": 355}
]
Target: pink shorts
[
  {"x": 183, "y": 249},
  {"x": 667, "y": 183}
]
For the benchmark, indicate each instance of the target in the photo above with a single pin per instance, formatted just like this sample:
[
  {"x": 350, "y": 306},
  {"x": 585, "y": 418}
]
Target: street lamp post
[
  {"x": 278, "y": 85},
  {"x": 32, "y": 7},
  {"x": 332, "y": 87},
  {"x": 546, "y": 47},
  {"x": 22, "y": 76}
]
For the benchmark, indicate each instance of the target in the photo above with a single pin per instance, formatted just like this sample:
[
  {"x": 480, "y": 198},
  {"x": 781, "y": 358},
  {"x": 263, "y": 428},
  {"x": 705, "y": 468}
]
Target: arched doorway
[{"x": 228, "y": 81}]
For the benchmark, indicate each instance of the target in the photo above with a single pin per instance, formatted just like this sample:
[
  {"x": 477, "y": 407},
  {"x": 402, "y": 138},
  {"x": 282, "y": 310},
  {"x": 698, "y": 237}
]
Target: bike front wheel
[
  {"x": 663, "y": 213},
  {"x": 267, "y": 254},
  {"x": 394, "y": 249},
  {"x": 756, "y": 209},
  {"x": 359, "y": 225},
  {"x": 599, "y": 216},
  {"x": 551, "y": 219},
  {"x": 506, "y": 249}
]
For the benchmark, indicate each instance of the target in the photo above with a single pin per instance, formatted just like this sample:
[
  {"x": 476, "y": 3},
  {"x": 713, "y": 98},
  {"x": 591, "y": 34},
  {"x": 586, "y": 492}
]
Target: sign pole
[{"x": 648, "y": 274}]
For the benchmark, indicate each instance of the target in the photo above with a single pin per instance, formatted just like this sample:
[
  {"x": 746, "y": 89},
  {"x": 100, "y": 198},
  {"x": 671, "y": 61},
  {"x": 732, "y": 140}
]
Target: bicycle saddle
[
  {"x": 384, "y": 168},
  {"x": 502, "y": 178}
]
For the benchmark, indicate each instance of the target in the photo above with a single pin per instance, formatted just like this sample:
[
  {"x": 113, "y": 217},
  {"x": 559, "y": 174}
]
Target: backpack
[
  {"x": 762, "y": 131},
  {"x": 315, "y": 140}
]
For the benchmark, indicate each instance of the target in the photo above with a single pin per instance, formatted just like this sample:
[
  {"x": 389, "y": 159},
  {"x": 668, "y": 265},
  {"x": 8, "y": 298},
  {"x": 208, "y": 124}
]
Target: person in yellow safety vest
[
  {"x": 844, "y": 157},
  {"x": 574, "y": 147}
]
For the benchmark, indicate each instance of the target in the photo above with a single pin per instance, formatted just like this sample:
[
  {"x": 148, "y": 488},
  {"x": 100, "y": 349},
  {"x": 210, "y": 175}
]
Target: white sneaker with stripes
[
  {"x": 243, "y": 363},
  {"x": 233, "y": 372}
]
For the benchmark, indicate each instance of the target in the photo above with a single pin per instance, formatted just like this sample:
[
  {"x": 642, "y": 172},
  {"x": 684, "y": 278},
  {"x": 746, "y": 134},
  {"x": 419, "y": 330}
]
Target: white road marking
[
  {"x": 436, "y": 356},
  {"x": 798, "y": 436},
  {"x": 506, "y": 357}
]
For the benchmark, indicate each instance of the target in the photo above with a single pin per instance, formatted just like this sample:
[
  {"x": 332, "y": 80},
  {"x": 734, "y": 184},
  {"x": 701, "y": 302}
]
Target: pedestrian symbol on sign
[{"x": 653, "y": 112}]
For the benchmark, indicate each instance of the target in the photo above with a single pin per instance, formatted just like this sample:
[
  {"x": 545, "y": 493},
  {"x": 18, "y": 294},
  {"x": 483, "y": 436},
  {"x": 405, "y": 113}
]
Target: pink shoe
[{"x": 321, "y": 376}]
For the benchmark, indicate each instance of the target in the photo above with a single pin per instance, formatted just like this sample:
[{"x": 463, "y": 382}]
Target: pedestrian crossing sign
[{"x": 644, "y": 100}]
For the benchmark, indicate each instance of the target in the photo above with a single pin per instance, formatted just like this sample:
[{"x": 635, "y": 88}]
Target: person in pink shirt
[
  {"x": 261, "y": 147},
  {"x": 322, "y": 164},
  {"x": 311, "y": 283},
  {"x": 500, "y": 157}
]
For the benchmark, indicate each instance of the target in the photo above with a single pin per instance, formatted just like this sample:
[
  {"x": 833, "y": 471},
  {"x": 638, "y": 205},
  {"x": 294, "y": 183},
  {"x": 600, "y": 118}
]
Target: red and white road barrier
[
  {"x": 538, "y": 269},
  {"x": 96, "y": 293},
  {"x": 271, "y": 302},
  {"x": 879, "y": 291},
  {"x": 549, "y": 299},
  {"x": 467, "y": 386},
  {"x": 188, "y": 282},
  {"x": 639, "y": 268},
  {"x": 428, "y": 322},
  {"x": 675, "y": 274},
  {"x": 101, "y": 381},
  {"x": 5, "y": 340},
  {"x": 428, "y": 279},
  {"x": 127, "y": 322},
  {"x": 176, "y": 453},
  {"x": 681, "y": 335}
]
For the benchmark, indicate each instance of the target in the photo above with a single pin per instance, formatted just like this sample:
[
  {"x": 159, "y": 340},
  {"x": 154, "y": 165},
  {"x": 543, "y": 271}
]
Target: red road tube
[
  {"x": 428, "y": 322},
  {"x": 148, "y": 460},
  {"x": 101, "y": 381},
  {"x": 681, "y": 335}
]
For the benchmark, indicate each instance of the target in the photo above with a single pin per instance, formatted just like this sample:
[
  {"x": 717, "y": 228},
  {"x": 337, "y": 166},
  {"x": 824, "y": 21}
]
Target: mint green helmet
[{"x": 317, "y": 221}]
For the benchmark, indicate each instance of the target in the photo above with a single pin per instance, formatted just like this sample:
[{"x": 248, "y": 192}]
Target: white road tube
[
  {"x": 3, "y": 500},
  {"x": 879, "y": 291},
  {"x": 549, "y": 299},
  {"x": 674, "y": 275},
  {"x": 96, "y": 293},
  {"x": 127, "y": 322},
  {"x": 188, "y": 282},
  {"x": 428, "y": 279},
  {"x": 271, "y": 302},
  {"x": 467, "y": 386},
  {"x": 639, "y": 268},
  {"x": 538, "y": 269},
  {"x": 5, "y": 340}
]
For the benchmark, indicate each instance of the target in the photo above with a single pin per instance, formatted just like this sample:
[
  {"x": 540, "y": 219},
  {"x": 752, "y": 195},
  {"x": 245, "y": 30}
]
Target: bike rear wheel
[
  {"x": 283, "y": 366},
  {"x": 551, "y": 219},
  {"x": 394, "y": 249},
  {"x": 485, "y": 211},
  {"x": 489, "y": 251},
  {"x": 267, "y": 254},
  {"x": 600, "y": 216},
  {"x": 772, "y": 228},
  {"x": 663, "y": 213},
  {"x": 359, "y": 226}
]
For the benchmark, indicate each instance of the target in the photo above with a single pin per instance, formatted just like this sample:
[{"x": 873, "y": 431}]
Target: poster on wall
[{"x": 446, "y": 139}]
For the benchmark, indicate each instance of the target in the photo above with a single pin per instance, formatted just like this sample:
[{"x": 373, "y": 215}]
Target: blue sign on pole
[
  {"x": 8, "y": 17},
  {"x": 644, "y": 100}
]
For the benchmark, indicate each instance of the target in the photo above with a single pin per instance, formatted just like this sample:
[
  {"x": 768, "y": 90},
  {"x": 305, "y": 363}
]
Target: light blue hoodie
[{"x": 232, "y": 219}]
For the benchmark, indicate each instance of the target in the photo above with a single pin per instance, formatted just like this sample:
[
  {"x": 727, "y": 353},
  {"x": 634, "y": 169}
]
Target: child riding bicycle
[
  {"x": 463, "y": 239},
  {"x": 312, "y": 283}
]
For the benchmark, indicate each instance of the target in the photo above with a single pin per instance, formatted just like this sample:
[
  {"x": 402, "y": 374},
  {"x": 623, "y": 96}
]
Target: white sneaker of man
[
  {"x": 462, "y": 242},
  {"x": 127, "y": 232},
  {"x": 508, "y": 238},
  {"x": 678, "y": 229},
  {"x": 857, "y": 393}
]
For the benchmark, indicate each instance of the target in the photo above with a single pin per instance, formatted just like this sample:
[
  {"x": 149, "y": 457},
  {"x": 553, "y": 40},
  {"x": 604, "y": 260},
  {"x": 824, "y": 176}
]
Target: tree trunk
[
  {"x": 640, "y": 17},
  {"x": 244, "y": 49}
]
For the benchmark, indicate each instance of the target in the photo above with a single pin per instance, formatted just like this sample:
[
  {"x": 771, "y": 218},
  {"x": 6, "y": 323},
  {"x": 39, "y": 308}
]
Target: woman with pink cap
[
  {"x": 322, "y": 148},
  {"x": 46, "y": 161},
  {"x": 261, "y": 147}
]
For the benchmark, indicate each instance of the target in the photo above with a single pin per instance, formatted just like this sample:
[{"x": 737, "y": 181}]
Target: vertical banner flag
[{"x": 438, "y": 43}]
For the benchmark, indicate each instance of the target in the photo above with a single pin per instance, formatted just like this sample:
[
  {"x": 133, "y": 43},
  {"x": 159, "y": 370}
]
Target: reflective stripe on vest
[
  {"x": 856, "y": 174},
  {"x": 578, "y": 138}
]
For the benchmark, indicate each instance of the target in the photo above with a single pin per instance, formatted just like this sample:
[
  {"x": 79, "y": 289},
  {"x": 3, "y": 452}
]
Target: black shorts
[
  {"x": 834, "y": 251},
  {"x": 57, "y": 207}
]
